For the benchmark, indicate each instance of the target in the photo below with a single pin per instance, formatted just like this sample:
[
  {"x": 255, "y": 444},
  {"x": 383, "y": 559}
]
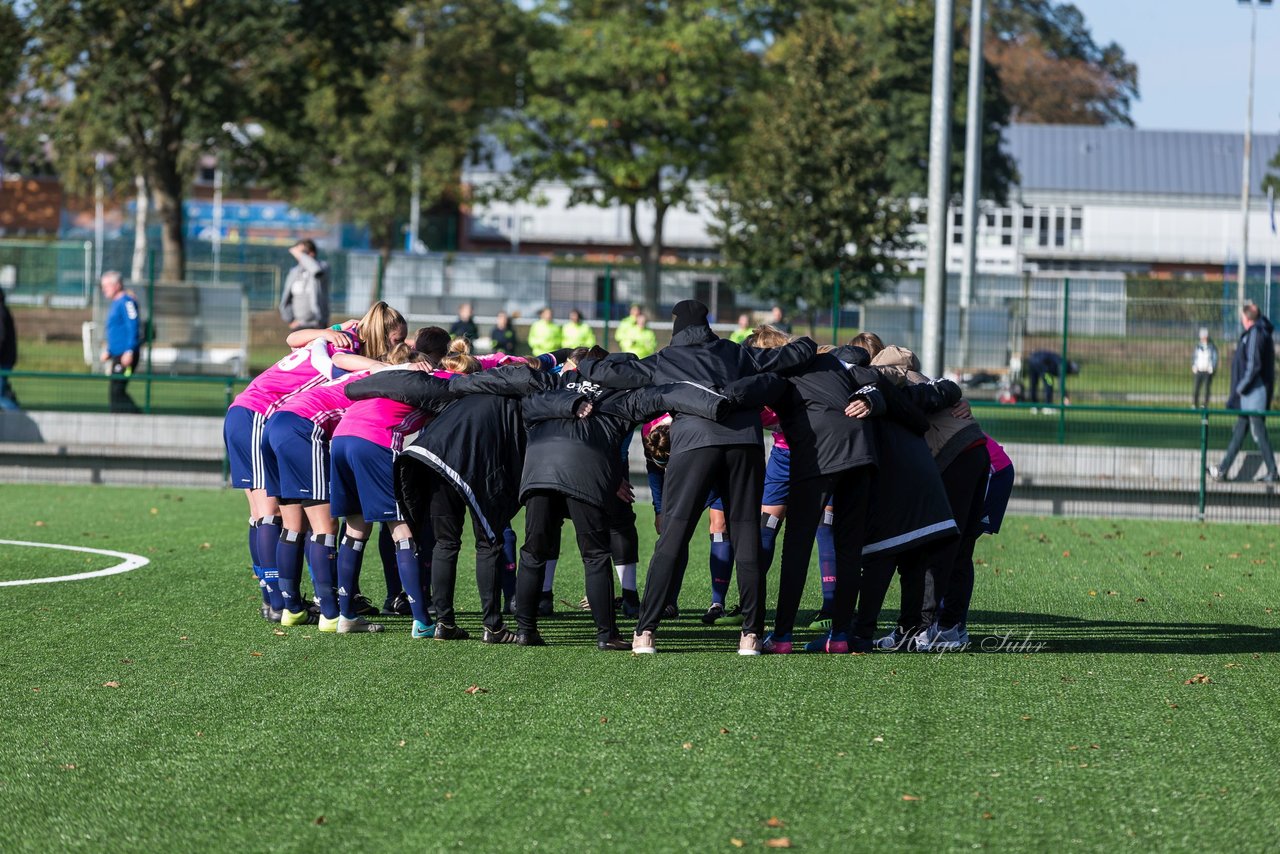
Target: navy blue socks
[
  {"x": 827, "y": 560},
  {"x": 411, "y": 579},
  {"x": 350, "y": 556},
  {"x": 721, "y": 565},
  {"x": 289, "y": 566},
  {"x": 322, "y": 556},
  {"x": 268, "y": 539}
]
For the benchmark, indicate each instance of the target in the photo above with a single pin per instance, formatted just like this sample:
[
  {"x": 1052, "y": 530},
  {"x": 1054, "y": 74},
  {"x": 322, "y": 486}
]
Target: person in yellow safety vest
[
  {"x": 743, "y": 332},
  {"x": 626, "y": 327},
  {"x": 575, "y": 333},
  {"x": 544, "y": 335},
  {"x": 644, "y": 341}
]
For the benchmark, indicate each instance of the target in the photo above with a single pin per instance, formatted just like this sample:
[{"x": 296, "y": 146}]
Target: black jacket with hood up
[{"x": 697, "y": 356}]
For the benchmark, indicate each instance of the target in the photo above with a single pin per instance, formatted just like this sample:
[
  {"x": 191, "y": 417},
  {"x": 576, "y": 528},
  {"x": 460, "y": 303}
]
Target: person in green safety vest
[
  {"x": 545, "y": 335},
  {"x": 626, "y": 326},
  {"x": 743, "y": 332},
  {"x": 576, "y": 333},
  {"x": 643, "y": 341}
]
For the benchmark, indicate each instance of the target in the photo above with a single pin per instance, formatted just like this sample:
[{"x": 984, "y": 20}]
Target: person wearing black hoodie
[
  {"x": 727, "y": 456},
  {"x": 572, "y": 466}
]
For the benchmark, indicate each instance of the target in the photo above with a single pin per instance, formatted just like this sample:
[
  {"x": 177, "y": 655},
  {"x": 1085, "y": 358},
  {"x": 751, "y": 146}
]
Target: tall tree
[
  {"x": 634, "y": 104},
  {"x": 1053, "y": 71},
  {"x": 817, "y": 199},
  {"x": 151, "y": 84},
  {"x": 401, "y": 116}
]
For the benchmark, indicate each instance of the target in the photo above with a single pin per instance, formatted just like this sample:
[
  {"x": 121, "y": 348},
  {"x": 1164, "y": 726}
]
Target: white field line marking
[{"x": 129, "y": 562}]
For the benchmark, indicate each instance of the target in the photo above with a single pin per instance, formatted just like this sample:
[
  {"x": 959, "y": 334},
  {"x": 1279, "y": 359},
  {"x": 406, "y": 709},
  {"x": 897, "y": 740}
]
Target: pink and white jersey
[
  {"x": 324, "y": 405},
  {"x": 303, "y": 368},
  {"x": 497, "y": 360},
  {"x": 999, "y": 459},
  {"x": 382, "y": 421},
  {"x": 646, "y": 429},
  {"x": 771, "y": 422}
]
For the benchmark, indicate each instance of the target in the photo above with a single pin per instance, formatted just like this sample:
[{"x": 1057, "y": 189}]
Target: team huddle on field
[{"x": 883, "y": 468}]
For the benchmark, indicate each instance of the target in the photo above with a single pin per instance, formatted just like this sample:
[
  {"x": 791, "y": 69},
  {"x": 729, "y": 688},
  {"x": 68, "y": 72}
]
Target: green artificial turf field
[{"x": 154, "y": 710}]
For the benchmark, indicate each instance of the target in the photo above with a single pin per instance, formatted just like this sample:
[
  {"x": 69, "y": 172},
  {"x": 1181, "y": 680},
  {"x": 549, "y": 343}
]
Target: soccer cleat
[
  {"x": 613, "y": 644},
  {"x": 777, "y": 645},
  {"x": 273, "y": 615},
  {"x": 422, "y": 630},
  {"x": 359, "y": 625},
  {"x": 297, "y": 618},
  {"x": 546, "y": 605},
  {"x": 749, "y": 644},
  {"x": 397, "y": 606},
  {"x": 529, "y": 638},
  {"x": 444, "y": 632},
  {"x": 642, "y": 643},
  {"x": 714, "y": 613},
  {"x": 329, "y": 626},
  {"x": 498, "y": 635},
  {"x": 828, "y": 644},
  {"x": 821, "y": 621},
  {"x": 895, "y": 641},
  {"x": 670, "y": 612},
  {"x": 266, "y": 612}
]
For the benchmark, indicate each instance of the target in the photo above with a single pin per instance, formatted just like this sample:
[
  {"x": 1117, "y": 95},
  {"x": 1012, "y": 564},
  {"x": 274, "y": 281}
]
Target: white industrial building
[{"x": 1100, "y": 199}]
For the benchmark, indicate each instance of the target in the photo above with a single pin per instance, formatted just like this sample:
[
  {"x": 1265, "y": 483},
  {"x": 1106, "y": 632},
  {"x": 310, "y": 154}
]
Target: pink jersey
[
  {"x": 324, "y": 404},
  {"x": 302, "y": 369},
  {"x": 646, "y": 429},
  {"x": 382, "y": 421},
  {"x": 999, "y": 459},
  {"x": 771, "y": 422}
]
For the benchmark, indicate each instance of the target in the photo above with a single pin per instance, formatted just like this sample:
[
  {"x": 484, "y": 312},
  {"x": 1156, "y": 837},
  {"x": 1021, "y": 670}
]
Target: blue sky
[{"x": 1193, "y": 60}]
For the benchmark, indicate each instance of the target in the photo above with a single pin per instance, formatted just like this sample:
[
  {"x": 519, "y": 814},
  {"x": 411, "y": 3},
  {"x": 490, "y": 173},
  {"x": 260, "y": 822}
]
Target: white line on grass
[{"x": 130, "y": 562}]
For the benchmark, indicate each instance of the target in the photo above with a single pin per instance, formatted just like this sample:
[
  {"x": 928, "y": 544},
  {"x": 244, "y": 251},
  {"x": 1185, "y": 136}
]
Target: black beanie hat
[{"x": 688, "y": 313}]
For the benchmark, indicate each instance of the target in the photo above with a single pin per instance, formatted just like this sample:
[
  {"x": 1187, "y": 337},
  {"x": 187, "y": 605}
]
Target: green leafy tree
[
  {"x": 359, "y": 131},
  {"x": 633, "y": 104},
  {"x": 817, "y": 199},
  {"x": 150, "y": 84}
]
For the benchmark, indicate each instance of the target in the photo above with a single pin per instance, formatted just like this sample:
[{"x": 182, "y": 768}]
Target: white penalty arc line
[{"x": 129, "y": 563}]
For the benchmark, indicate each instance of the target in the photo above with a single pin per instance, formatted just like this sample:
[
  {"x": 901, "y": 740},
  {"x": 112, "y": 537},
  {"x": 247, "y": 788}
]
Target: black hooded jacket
[
  {"x": 1254, "y": 363},
  {"x": 696, "y": 356},
  {"x": 475, "y": 444},
  {"x": 582, "y": 457}
]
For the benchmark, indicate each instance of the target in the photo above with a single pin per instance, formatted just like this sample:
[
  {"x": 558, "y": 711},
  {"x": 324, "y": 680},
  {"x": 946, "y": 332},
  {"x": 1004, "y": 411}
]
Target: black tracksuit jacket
[{"x": 697, "y": 356}]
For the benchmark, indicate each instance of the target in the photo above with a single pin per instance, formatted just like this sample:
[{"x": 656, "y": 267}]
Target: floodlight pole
[
  {"x": 933, "y": 347},
  {"x": 972, "y": 175},
  {"x": 1248, "y": 160}
]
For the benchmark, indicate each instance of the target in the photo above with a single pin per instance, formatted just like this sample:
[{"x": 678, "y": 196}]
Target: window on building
[
  {"x": 1044, "y": 215},
  {"x": 1077, "y": 229},
  {"x": 1060, "y": 228}
]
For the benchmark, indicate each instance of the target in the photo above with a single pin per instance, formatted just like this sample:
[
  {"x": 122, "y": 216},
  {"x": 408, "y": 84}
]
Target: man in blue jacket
[
  {"x": 124, "y": 339},
  {"x": 1253, "y": 377}
]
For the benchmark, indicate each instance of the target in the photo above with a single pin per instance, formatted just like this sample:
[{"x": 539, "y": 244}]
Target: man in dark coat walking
[{"x": 1253, "y": 378}]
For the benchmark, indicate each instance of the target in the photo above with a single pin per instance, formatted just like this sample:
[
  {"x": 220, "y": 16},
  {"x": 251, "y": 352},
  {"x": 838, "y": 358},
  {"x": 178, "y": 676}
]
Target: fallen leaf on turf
[
  {"x": 155, "y": 511},
  {"x": 256, "y": 654},
  {"x": 319, "y": 820},
  {"x": 736, "y": 843},
  {"x": 1113, "y": 592},
  {"x": 780, "y": 842},
  {"x": 476, "y": 689},
  {"x": 1067, "y": 553},
  {"x": 988, "y": 816},
  {"x": 1073, "y": 747},
  {"x": 402, "y": 742},
  {"x": 126, "y": 661},
  {"x": 182, "y": 637},
  {"x": 39, "y": 524},
  {"x": 604, "y": 720},
  {"x": 1198, "y": 679},
  {"x": 1026, "y": 717},
  {"x": 206, "y": 546},
  {"x": 278, "y": 632},
  {"x": 910, "y": 798},
  {"x": 879, "y": 739},
  {"x": 687, "y": 746},
  {"x": 1231, "y": 664},
  {"x": 70, "y": 766},
  {"x": 448, "y": 796},
  {"x": 111, "y": 684},
  {"x": 1173, "y": 705},
  {"x": 1093, "y": 592},
  {"x": 199, "y": 734},
  {"x": 1095, "y": 747},
  {"x": 724, "y": 731},
  {"x": 1139, "y": 599},
  {"x": 775, "y": 822},
  {"x": 37, "y": 690}
]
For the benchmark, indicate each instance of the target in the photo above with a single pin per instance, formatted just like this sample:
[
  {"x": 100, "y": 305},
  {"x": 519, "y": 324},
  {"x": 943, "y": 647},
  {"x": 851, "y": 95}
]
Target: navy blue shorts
[
  {"x": 362, "y": 480},
  {"x": 300, "y": 453},
  {"x": 655, "y": 489},
  {"x": 999, "y": 488},
  {"x": 242, "y": 432},
  {"x": 777, "y": 478}
]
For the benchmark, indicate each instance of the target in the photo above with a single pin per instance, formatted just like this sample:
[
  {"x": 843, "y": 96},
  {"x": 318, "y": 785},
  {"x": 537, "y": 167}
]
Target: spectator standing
[
  {"x": 778, "y": 320},
  {"x": 626, "y": 328},
  {"x": 544, "y": 335},
  {"x": 124, "y": 339},
  {"x": 464, "y": 326},
  {"x": 504, "y": 335},
  {"x": 576, "y": 333},
  {"x": 8, "y": 354},
  {"x": 305, "y": 301},
  {"x": 643, "y": 341},
  {"x": 743, "y": 332},
  {"x": 1204, "y": 364},
  {"x": 1043, "y": 367},
  {"x": 1253, "y": 376}
]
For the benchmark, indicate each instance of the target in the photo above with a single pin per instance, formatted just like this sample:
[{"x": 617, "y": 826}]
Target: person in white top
[{"x": 1204, "y": 364}]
